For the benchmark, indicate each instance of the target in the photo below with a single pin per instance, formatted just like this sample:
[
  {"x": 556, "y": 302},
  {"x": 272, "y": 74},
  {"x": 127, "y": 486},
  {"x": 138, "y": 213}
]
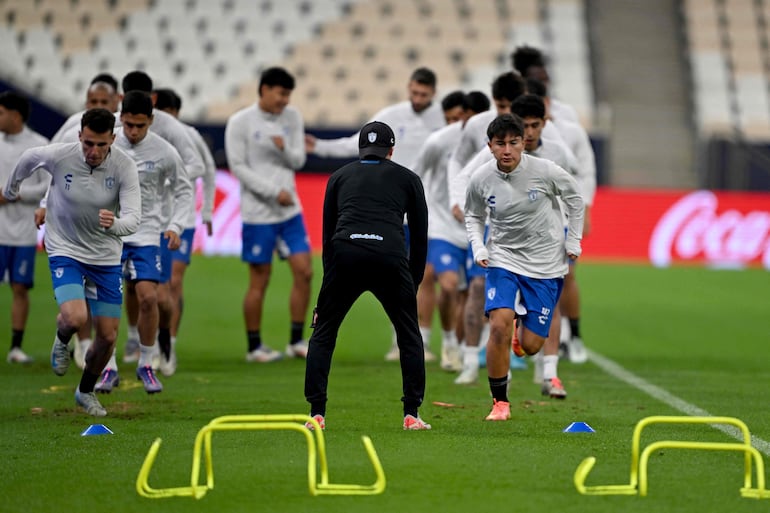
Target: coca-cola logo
[{"x": 692, "y": 229}]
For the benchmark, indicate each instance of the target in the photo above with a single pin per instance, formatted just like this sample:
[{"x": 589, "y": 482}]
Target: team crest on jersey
[
  {"x": 59, "y": 272},
  {"x": 532, "y": 193},
  {"x": 371, "y": 136},
  {"x": 109, "y": 182},
  {"x": 491, "y": 293},
  {"x": 149, "y": 165}
]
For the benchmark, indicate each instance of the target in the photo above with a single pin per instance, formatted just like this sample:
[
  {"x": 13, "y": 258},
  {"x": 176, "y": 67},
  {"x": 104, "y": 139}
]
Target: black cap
[{"x": 376, "y": 139}]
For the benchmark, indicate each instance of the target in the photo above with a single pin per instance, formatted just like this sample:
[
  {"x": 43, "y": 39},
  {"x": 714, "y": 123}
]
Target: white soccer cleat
[
  {"x": 263, "y": 354},
  {"x": 412, "y": 423},
  {"x": 577, "y": 350},
  {"x": 393, "y": 355},
  {"x": 168, "y": 365},
  {"x": 450, "y": 358},
  {"x": 297, "y": 350},
  {"x": 16, "y": 355}
]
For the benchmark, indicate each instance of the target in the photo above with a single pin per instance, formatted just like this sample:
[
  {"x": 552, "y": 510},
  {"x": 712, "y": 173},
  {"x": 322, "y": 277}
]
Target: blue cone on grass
[{"x": 96, "y": 429}]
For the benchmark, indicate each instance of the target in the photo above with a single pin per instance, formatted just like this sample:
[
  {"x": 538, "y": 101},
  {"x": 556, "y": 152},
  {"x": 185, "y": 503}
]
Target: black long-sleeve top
[{"x": 365, "y": 204}]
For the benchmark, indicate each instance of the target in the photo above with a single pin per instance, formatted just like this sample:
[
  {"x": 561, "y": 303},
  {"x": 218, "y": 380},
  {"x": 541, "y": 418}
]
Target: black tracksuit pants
[{"x": 352, "y": 271}]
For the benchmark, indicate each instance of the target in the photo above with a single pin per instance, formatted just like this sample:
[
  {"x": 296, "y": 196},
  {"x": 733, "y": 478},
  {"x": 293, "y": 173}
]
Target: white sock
[
  {"x": 113, "y": 363},
  {"x": 85, "y": 344},
  {"x": 133, "y": 332},
  {"x": 484, "y": 337},
  {"x": 173, "y": 341},
  {"x": 470, "y": 355},
  {"x": 145, "y": 355},
  {"x": 425, "y": 333},
  {"x": 550, "y": 365},
  {"x": 449, "y": 339}
]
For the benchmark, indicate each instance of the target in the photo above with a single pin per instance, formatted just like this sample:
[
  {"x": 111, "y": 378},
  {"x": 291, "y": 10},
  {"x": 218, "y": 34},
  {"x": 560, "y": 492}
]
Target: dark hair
[
  {"x": 505, "y": 124},
  {"x": 137, "y": 102},
  {"x": 452, "y": 100},
  {"x": 12, "y": 100},
  {"x": 528, "y": 106},
  {"x": 276, "y": 76},
  {"x": 167, "y": 99},
  {"x": 424, "y": 76},
  {"x": 476, "y": 101},
  {"x": 137, "y": 81},
  {"x": 525, "y": 56},
  {"x": 537, "y": 87},
  {"x": 98, "y": 120},
  {"x": 107, "y": 79},
  {"x": 508, "y": 86}
]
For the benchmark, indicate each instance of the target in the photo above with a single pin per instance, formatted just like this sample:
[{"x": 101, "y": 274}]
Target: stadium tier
[{"x": 351, "y": 57}]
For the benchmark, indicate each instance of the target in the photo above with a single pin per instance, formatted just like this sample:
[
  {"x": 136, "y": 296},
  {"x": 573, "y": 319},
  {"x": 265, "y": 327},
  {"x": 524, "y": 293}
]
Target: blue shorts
[
  {"x": 259, "y": 239},
  {"x": 445, "y": 257},
  {"x": 185, "y": 247},
  {"x": 17, "y": 265},
  {"x": 166, "y": 261},
  {"x": 100, "y": 285},
  {"x": 538, "y": 296},
  {"x": 141, "y": 263}
]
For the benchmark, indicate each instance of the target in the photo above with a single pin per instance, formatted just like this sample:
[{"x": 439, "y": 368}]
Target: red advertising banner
[{"x": 660, "y": 227}]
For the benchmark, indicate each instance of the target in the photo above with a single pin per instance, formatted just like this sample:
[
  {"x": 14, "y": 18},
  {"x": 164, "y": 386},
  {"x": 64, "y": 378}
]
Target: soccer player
[
  {"x": 91, "y": 183},
  {"x": 159, "y": 166},
  {"x": 526, "y": 253},
  {"x": 447, "y": 240},
  {"x": 576, "y": 138},
  {"x": 168, "y": 101},
  {"x": 18, "y": 236},
  {"x": 102, "y": 93},
  {"x": 173, "y": 131},
  {"x": 531, "y": 110},
  {"x": 531, "y": 63},
  {"x": 265, "y": 145},
  {"x": 364, "y": 250}
]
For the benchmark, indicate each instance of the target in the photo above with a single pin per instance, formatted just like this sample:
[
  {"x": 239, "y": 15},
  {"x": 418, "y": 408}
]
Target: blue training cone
[
  {"x": 579, "y": 427},
  {"x": 96, "y": 429}
]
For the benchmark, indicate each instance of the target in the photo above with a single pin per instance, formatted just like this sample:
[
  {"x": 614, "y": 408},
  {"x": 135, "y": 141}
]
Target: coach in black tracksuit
[{"x": 364, "y": 250}]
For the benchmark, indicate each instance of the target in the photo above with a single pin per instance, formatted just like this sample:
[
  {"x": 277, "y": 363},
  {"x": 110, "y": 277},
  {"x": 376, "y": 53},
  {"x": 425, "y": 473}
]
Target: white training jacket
[
  {"x": 262, "y": 168},
  {"x": 526, "y": 233}
]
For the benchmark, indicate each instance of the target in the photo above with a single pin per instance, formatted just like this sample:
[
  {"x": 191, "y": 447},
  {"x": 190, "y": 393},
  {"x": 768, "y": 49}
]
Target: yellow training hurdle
[
  {"x": 638, "y": 482},
  {"x": 316, "y": 457}
]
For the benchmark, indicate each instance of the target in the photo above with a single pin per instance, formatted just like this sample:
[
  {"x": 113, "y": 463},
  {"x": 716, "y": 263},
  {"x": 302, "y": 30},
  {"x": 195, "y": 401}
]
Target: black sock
[
  {"x": 499, "y": 388},
  {"x": 88, "y": 382},
  {"x": 255, "y": 340},
  {"x": 296, "y": 332},
  {"x": 65, "y": 339},
  {"x": 574, "y": 327},
  {"x": 410, "y": 410},
  {"x": 318, "y": 409},
  {"x": 164, "y": 341},
  {"x": 16, "y": 337}
]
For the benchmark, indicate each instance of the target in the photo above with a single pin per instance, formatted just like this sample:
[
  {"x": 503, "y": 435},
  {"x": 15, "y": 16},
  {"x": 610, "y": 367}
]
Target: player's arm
[
  {"x": 417, "y": 219},
  {"x": 567, "y": 187},
  {"x": 30, "y": 160},
  {"x": 329, "y": 226},
  {"x": 183, "y": 196},
  {"x": 209, "y": 179},
  {"x": 294, "y": 147},
  {"x": 342, "y": 147},
  {"x": 130, "y": 199},
  {"x": 475, "y": 220}
]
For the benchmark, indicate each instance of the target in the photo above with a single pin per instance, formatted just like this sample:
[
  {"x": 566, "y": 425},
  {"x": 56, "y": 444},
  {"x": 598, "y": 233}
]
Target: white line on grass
[{"x": 615, "y": 370}]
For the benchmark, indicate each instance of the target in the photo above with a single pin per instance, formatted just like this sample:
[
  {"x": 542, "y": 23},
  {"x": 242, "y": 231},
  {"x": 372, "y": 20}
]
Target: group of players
[{"x": 150, "y": 242}]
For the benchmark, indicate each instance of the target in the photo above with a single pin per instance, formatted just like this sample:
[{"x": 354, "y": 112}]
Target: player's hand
[
  {"x": 458, "y": 213},
  {"x": 310, "y": 143},
  {"x": 285, "y": 198},
  {"x": 483, "y": 263},
  {"x": 572, "y": 256},
  {"x": 278, "y": 141},
  {"x": 106, "y": 218},
  {"x": 209, "y": 228},
  {"x": 173, "y": 239},
  {"x": 39, "y": 217}
]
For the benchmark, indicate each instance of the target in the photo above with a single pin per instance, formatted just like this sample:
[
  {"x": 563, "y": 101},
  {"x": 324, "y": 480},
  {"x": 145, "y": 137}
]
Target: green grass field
[{"x": 700, "y": 335}]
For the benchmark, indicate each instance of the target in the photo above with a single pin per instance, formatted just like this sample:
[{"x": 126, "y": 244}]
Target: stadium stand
[
  {"x": 351, "y": 57},
  {"x": 728, "y": 43}
]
